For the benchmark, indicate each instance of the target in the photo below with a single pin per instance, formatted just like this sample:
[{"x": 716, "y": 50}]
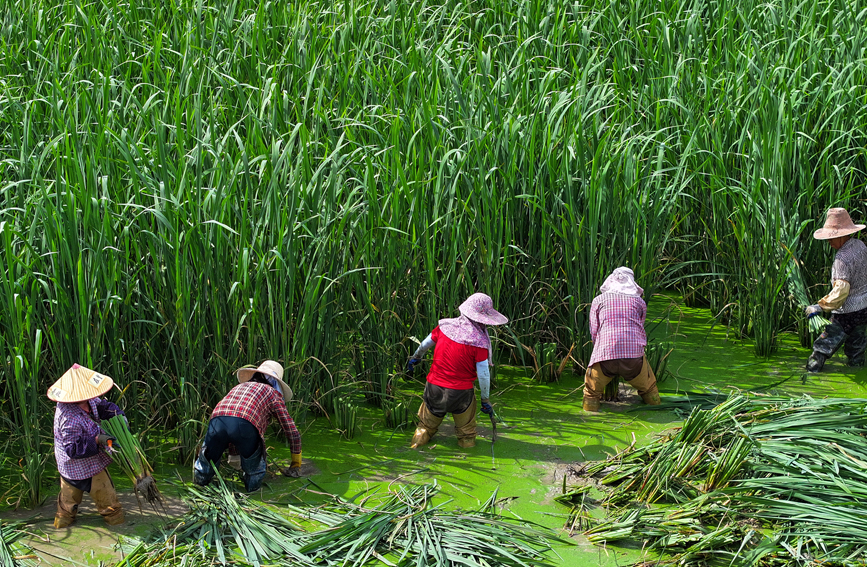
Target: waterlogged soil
[{"x": 545, "y": 434}]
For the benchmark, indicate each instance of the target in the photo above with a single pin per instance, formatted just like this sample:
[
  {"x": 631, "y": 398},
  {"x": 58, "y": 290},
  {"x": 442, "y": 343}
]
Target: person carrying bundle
[
  {"x": 847, "y": 300},
  {"x": 462, "y": 354},
  {"x": 617, "y": 329},
  {"x": 80, "y": 445},
  {"x": 240, "y": 419}
]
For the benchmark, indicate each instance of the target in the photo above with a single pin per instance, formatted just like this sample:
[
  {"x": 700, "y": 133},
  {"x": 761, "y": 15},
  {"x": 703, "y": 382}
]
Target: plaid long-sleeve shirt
[
  {"x": 75, "y": 450},
  {"x": 617, "y": 327},
  {"x": 257, "y": 403}
]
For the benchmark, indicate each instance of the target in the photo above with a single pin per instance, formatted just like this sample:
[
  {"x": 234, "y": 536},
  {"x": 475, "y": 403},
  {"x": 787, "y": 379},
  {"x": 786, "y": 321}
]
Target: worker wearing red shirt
[
  {"x": 240, "y": 419},
  {"x": 462, "y": 354}
]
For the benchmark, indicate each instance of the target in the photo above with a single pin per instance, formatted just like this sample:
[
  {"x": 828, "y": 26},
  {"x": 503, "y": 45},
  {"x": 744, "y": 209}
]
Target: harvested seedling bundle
[
  {"x": 129, "y": 455},
  {"x": 752, "y": 481},
  {"x": 799, "y": 292},
  {"x": 401, "y": 528}
]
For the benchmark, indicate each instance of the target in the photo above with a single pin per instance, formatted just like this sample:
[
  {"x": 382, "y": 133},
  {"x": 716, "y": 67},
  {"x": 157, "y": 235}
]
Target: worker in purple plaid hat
[
  {"x": 617, "y": 317},
  {"x": 462, "y": 354},
  {"x": 80, "y": 445}
]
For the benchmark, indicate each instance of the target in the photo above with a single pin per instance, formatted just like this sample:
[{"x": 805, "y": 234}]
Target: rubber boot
[
  {"x": 254, "y": 468},
  {"x": 203, "y": 472},
  {"x": 855, "y": 346},
  {"x": 428, "y": 425},
  {"x": 594, "y": 384},
  {"x": 465, "y": 426},
  {"x": 105, "y": 497},
  {"x": 825, "y": 346},
  {"x": 67, "y": 504},
  {"x": 645, "y": 383}
]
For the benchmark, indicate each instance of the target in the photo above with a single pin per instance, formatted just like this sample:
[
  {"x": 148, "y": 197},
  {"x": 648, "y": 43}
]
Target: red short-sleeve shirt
[{"x": 454, "y": 364}]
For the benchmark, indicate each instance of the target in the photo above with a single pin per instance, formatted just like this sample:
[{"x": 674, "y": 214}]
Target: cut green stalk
[{"x": 128, "y": 454}]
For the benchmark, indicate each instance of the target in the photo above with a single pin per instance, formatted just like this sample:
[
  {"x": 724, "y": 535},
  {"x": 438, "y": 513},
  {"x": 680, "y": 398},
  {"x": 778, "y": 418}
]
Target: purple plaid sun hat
[{"x": 480, "y": 308}]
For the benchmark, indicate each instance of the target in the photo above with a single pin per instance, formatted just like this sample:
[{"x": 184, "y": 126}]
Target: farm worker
[
  {"x": 240, "y": 419},
  {"x": 80, "y": 445},
  {"x": 617, "y": 330},
  {"x": 847, "y": 300},
  {"x": 462, "y": 354},
  {"x": 273, "y": 372}
]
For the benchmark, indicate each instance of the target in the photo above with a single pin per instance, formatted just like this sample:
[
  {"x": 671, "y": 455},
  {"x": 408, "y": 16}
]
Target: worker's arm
[
  {"x": 594, "y": 320},
  {"x": 483, "y": 371},
  {"x": 424, "y": 347},
  {"x": 107, "y": 409},
  {"x": 79, "y": 444},
  {"x": 837, "y": 297},
  {"x": 278, "y": 409},
  {"x": 419, "y": 352}
]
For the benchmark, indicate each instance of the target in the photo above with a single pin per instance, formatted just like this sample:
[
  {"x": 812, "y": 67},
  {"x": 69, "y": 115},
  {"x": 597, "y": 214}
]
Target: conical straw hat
[
  {"x": 79, "y": 384},
  {"x": 271, "y": 368},
  {"x": 838, "y": 223}
]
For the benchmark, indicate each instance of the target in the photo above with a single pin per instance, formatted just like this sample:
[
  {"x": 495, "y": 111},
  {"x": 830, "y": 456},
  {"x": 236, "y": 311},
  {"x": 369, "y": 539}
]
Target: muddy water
[{"x": 545, "y": 431}]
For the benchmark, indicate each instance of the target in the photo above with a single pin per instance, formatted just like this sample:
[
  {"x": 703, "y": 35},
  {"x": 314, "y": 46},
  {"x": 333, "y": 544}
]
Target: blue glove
[
  {"x": 486, "y": 408},
  {"x": 410, "y": 366},
  {"x": 813, "y": 310}
]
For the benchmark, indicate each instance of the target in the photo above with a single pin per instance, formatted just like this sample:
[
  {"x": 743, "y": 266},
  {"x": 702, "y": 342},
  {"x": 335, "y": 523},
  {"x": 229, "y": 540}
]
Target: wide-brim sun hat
[
  {"x": 837, "y": 223},
  {"x": 480, "y": 308},
  {"x": 621, "y": 281},
  {"x": 269, "y": 367},
  {"x": 79, "y": 384}
]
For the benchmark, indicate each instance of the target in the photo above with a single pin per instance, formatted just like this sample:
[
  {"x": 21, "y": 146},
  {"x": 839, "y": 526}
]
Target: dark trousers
[{"x": 223, "y": 430}]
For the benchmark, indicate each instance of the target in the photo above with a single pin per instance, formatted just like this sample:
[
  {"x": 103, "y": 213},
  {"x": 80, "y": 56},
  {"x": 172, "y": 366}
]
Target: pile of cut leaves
[
  {"x": 752, "y": 481},
  {"x": 12, "y": 552},
  {"x": 401, "y": 528}
]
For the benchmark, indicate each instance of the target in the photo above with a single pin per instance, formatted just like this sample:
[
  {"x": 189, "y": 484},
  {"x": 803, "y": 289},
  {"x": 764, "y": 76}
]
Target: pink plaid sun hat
[{"x": 480, "y": 308}]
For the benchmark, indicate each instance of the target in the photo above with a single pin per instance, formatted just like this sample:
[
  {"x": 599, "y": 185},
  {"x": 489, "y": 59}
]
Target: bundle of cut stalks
[
  {"x": 12, "y": 553},
  {"x": 128, "y": 454},
  {"x": 404, "y": 528},
  {"x": 799, "y": 292},
  {"x": 772, "y": 481}
]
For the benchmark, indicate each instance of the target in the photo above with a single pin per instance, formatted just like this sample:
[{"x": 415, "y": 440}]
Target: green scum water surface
[{"x": 546, "y": 432}]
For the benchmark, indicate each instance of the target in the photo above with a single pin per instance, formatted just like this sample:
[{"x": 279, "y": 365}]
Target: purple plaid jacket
[
  {"x": 617, "y": 327},
  {"x": 75, "y": 449}
]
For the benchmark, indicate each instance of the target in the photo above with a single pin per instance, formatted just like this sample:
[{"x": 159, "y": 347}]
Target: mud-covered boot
[
  {"x": 591, "y": 404},
  {"x": 825, "y": 346},
  {"x": 855, "y": 346}
]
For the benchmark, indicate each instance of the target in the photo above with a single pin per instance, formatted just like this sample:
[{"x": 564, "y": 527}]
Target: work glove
[
  {"x": 295, "y": 467},
  {"x": 813, "y": 310},
  {"x": 486, "y": 408},
  {"x": 103, "y": 439},
  {"x": 410, "y": 366}
]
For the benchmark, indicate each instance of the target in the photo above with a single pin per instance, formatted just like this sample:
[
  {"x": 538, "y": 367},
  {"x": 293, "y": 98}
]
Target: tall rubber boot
[
  {"x": 105, "y": 497},
  {"x": 254, "y": 468},
  {"x": 594, "y": 384},
  {"x": 465, "y": 426},
  {"x": 203, "y": 472},
  {"x": 645, "y": 383},
  {"x": 428, "y": 425},
  {"x": 67, "y": 504},
  {"x": 855, "y": 346},
  {"x": 825, "y": 346}
]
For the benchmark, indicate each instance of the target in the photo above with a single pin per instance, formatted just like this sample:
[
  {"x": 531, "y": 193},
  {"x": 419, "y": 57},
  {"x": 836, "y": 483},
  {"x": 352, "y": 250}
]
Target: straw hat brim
[
  {"x": 79, "y": 384},
  {"x": 246, "y": 373},
  {"x": 829, "y": 233}
]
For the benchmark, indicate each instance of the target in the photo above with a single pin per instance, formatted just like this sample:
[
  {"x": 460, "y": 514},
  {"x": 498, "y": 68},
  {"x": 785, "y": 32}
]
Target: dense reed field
[{"x": 188, "y": 187}]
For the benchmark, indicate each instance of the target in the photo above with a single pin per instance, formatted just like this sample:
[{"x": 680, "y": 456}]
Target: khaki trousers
[
  {"x": 428, "y": 424},
  {"x": 595, "y": 381},
  {"x": 103, "y": 494}
]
